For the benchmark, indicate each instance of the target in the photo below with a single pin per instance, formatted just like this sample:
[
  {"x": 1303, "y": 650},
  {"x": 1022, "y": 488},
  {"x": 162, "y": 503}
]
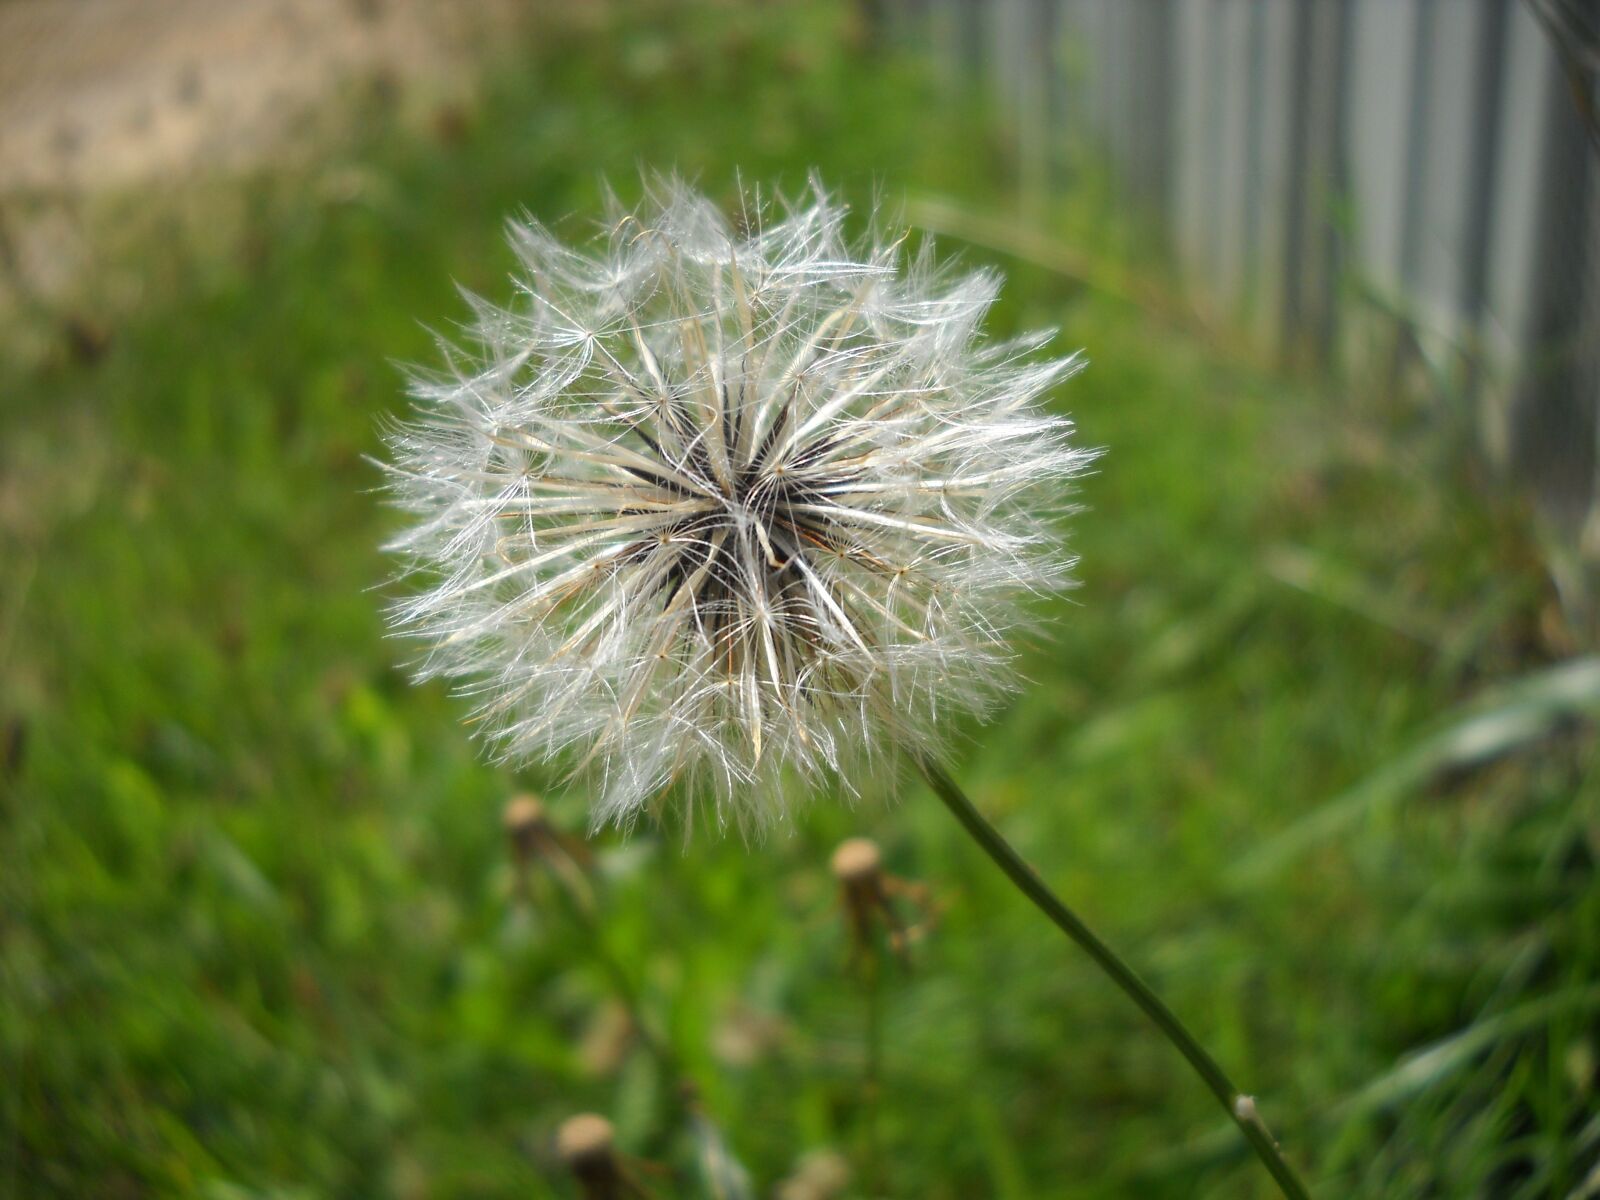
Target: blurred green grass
[{"x": 260, "y": 936}]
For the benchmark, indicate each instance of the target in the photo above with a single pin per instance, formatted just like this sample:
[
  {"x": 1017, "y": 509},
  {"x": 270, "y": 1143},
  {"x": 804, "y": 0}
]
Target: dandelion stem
[{"x": 1240, "y": 1108}]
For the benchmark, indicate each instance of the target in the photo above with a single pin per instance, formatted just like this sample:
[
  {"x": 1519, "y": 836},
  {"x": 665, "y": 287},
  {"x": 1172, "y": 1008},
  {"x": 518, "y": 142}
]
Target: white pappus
[{"x": 733, "y": 507}]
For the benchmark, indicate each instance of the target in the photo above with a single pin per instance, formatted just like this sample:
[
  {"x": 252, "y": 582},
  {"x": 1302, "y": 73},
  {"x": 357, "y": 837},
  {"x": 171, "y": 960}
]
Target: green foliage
[{"x": 260, "y": 936}]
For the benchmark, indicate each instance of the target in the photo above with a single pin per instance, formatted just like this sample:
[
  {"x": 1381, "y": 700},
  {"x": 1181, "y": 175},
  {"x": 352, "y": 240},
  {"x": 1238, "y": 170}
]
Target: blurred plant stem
[
  {"x": 872, "y": 1077},
  {"x": 627, "y": 994},
  {"x": 1240, "y": 1107},
  {"x": 536, "y": 839}
]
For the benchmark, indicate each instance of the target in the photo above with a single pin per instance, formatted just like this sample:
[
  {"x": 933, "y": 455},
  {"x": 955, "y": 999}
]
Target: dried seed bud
[
  {"x": 537, "y": 841},
  {"x": 584, "y": 1143},
  {"x": 869, "y": 895},
  {"x": 858, "y": 866},
  {"x": 819, "y": 1175},
  {"x": 857, "y": 861},
  {"x": 528, "y": 828},
  {"x": 525, "y": 822}
]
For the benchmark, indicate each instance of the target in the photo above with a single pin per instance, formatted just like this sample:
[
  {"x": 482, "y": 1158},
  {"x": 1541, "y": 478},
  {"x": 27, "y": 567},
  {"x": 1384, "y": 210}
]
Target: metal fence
[{"x": 1370, "y": 182}]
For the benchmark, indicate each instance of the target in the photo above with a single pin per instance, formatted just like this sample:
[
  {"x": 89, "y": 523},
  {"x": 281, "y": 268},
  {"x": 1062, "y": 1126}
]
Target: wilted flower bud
[
  {"x": 856, "y": 862},
  {"x": 586, "y": 1144},
  {"x": 526, "y": 825},
  {"x": 868, "y": 892},
  {"x": 584, "y": 1140},
  {"x": 536, "y": 840}
]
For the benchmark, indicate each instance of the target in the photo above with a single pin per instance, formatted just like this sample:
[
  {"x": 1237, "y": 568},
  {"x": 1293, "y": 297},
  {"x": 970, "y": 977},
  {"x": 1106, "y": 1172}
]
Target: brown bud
[
  {"x": 525, "y": 822},
  {"x": 524, "y": 812},
  {"x": 584, "y": 1141},
  {"x": 858, "y": 866},
  {"x": 857, "y": 861},
  {"x": 587, "y": 1145},
  {"x": 869, "y": 895}
]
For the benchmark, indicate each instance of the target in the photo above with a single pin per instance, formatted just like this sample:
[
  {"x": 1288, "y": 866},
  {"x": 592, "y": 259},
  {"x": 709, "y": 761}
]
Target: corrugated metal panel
[{"x": 1336, "y": 171}]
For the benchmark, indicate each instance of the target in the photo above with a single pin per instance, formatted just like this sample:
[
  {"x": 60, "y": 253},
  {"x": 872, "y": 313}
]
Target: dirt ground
[
  {"x": 144, "y": 97},
  {"x": 97, "y": 93}
]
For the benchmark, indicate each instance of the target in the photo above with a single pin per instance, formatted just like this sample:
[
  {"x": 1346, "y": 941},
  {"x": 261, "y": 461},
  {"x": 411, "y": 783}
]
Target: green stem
[
  {"x": 872, "y": 1081},
  {"x": 1239, "y": 1107},
  {"x": 621, "y": 983}
]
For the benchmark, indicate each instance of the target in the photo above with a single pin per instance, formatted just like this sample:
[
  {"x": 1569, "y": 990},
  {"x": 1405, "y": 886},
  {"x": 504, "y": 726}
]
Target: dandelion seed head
[{"x": 730, "y": 508}]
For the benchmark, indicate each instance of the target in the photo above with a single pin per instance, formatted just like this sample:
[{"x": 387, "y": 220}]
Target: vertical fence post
[
  {"x": 1319, "y": 77},
  {"x": 1552, "y": 417},
  {"x": 1155, "y": 70},
  {"x": 1266, "y": 139},
  {"x": 1490, "y": 74}
]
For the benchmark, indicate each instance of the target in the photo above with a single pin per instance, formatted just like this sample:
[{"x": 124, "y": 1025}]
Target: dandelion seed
[{"x": 721, "y": 507}]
